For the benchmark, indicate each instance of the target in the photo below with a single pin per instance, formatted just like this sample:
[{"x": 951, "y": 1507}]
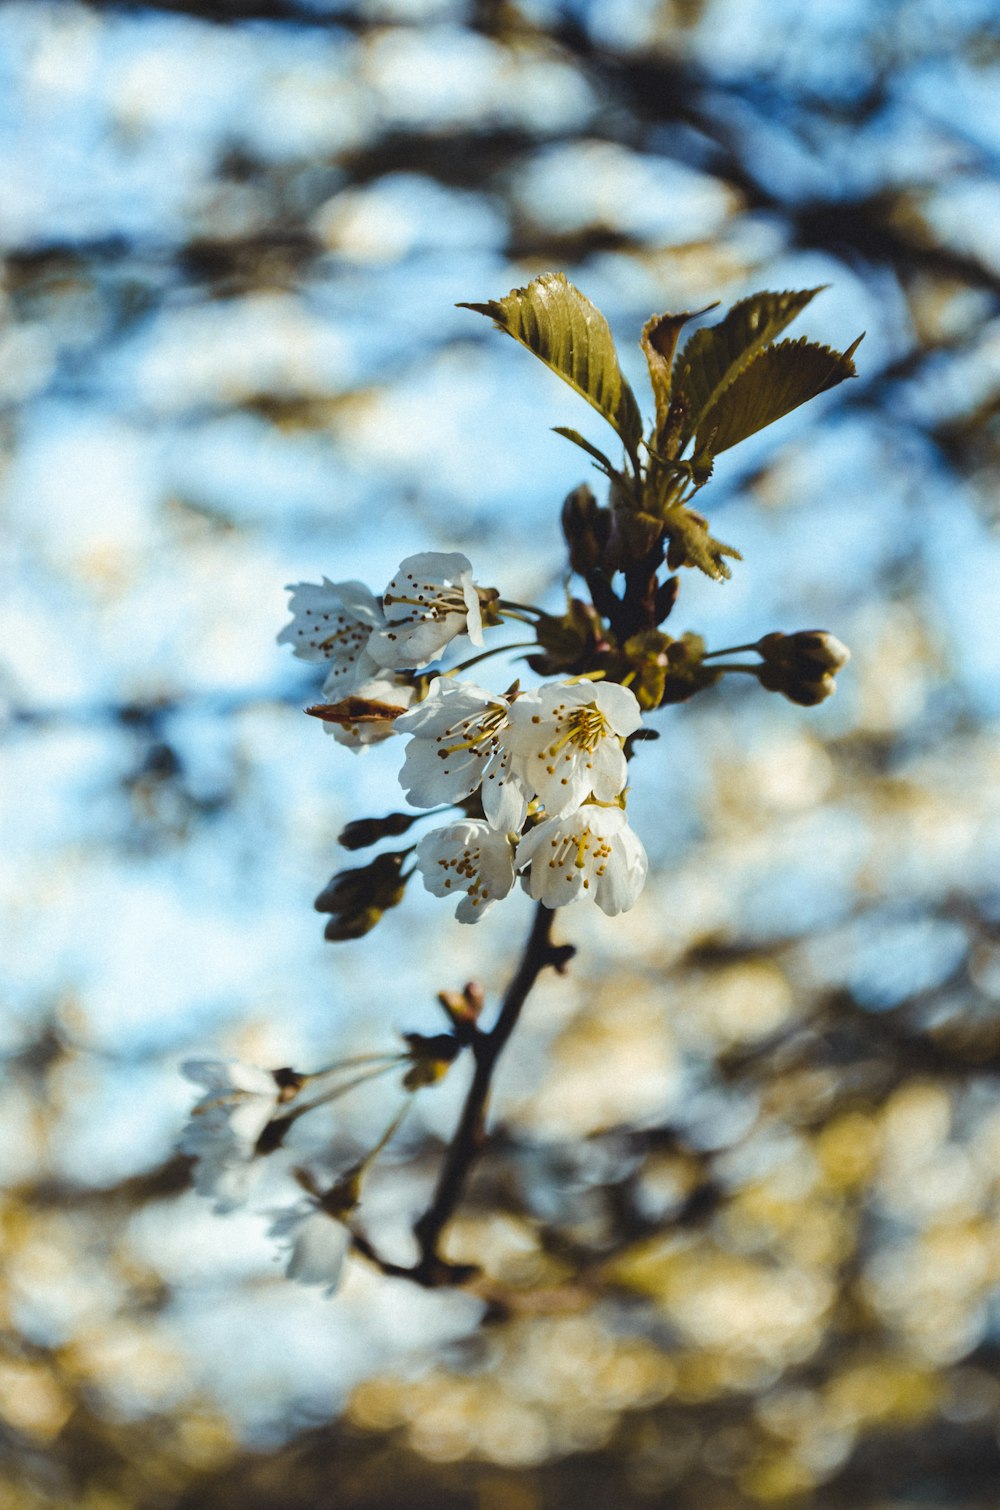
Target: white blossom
[
  {"x": 468, "y": 860},
  {"x": 240, "y": 1101},
  {"x": 431, "y": 599},
  {"x": 590, "y": 852},
  {"x": 378, "y": 689},
  {"x": 457, "y": 745},
  {"x": 317, "y": 1244},
  {"x": 333, "y": 621},
  {"x": 567, "y": 741}
]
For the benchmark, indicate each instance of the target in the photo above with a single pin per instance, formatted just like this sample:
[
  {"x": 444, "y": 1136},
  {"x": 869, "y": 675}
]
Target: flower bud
[
  {"x": 363, "y": 832},
  {"x": 568, "y": 643},
  {"x": 357, "y": 898},
  {"x": 802, "y": 666},
  {"x": 808, "y": 650},
  {"x": 586, "y": 526},
  {"x": 432, "y": 1057}
]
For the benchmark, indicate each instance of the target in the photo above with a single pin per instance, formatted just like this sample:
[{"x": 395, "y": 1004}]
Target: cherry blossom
[
  {"x": 457, "y": 745},
  {"x": 567, "y": 741},
  {"x": 591, "y": 851},
  {"x": 468, "y": 860},
  {"x": 431, "y": 599},
  {"x": 226, "y": 1125},
  {"x": 333, "y": 621},
  {"x": 317, "y": 1242}
]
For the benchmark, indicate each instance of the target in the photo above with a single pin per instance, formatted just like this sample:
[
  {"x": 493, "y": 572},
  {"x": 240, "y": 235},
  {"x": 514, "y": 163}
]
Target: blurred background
[{"x": 743, "y": 1197}]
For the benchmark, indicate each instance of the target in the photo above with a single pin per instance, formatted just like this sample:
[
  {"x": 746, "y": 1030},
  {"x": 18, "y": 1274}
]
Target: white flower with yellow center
[
  {"x": 333, "y": 622},
  {"x": 470, "y": 861},
  {"x": 591, "y": 852},
  {"x": 457, "y": 745},
  {"x": 430, "y": 600},
  {"x": 567, "y": 738}
]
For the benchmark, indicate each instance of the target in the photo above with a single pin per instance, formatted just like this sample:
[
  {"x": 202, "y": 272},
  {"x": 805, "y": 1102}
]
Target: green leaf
[
  {"x": 556, "y": 322},
  {"x": 659, "y": 342},
  {"x": 578, "y": 440},
  {"x": 715, "y": 356},
  {"x": 777, "y": 380}
]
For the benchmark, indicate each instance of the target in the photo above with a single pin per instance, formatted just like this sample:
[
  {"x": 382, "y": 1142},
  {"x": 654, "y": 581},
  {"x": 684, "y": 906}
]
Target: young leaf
[
  {"x": 578, "y": 440},
  {"x": 556, "y": 322},
  {"x": 659, "y": 342},
  {"x": 776, "y": 381},
  {"x": 714, "y": 357}
]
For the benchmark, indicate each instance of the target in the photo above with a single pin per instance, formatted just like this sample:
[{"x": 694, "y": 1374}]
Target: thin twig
[{"x": 470, "y": 1135}]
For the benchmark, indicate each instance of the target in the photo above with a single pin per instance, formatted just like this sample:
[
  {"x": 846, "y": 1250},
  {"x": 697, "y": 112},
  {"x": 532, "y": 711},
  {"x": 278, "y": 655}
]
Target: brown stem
[{"x": 470, "y": 1135}]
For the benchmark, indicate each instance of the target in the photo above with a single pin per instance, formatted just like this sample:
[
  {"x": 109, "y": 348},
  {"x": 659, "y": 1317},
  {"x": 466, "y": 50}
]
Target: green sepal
[
  {"x": 715, "y": 356},
  {"x": 775, "y": 382},
  {"x": 692, "y": 545},
  {"x": 569, "y": 334}
]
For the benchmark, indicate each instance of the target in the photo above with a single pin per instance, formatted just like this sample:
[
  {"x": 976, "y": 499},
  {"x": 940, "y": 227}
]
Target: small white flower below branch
[
  {"x": 591, "y": 852},
  {"x": 469, "y": 861}
]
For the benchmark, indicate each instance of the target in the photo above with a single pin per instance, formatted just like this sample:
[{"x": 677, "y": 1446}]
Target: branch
[{"x": 431, "y": 1269}]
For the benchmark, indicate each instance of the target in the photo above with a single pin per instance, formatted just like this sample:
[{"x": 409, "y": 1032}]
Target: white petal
[
  {"x": 318, "y": 1251},
  {"x": 446, "y": 703},
  {"x": 619, "y": 706},
  {"x": 609, "y": 770},
  {"x": 474, "y": 613},
  {"x": 505, "y": 796},
  {"x": 414, "y": 645},
  {"x": 430, "y": 568},
  {"x": 428, "y": 780}
]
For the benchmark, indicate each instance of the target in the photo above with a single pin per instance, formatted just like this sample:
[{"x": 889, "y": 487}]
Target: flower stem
[{"x": 485, "y": 655}]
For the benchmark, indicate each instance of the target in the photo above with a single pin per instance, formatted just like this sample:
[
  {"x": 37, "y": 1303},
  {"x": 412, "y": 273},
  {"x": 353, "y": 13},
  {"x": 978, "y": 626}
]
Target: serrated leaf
[
  {"x": 579, "y": 440},
  {"x": 775, "y": 382},
  {"x": 659, "y": 342},
  {"x": 715, "y": 356},
  {"x": 560, "y": 325}
]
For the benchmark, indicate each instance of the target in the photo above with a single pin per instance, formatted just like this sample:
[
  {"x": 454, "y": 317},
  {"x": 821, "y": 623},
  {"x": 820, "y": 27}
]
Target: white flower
[
  {"x": 567, "y": 740},
  {"x": 468, "y": 860},
  {"x": 226, "y": 1125},
  {"x": 333, "y": 621},
  {"x": 317, "y": 1242},
  {"x": 457, "y": 745},
  {"x": 591, "y": 851},
  {"x": 430, "y": 600},
  {"x": 378, "y": 689}
]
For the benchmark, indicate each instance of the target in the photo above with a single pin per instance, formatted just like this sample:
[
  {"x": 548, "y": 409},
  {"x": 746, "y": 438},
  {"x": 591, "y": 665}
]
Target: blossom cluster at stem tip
[{"x": 548, "y": 765}]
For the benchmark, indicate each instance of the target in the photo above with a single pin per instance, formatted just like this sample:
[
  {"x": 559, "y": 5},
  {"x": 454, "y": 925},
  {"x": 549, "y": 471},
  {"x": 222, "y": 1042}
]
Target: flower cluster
[
  {"x": 545, "y": 768},
  {"x": 246, "y": 1114}
]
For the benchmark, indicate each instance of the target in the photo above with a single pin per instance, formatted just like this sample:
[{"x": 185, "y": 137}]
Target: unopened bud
[
  {"x": 802, "y": 666},
  {"x": 432, "y": 1058},
  {"x": 358, "y": 898},
  {"x": 586, "y": 526},
  {"x": 363, "y": 832},
  {"x": 567, "y": 643},
  {"x": 464, "y": 1008},
  {"x": 808, "y": 650}
]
